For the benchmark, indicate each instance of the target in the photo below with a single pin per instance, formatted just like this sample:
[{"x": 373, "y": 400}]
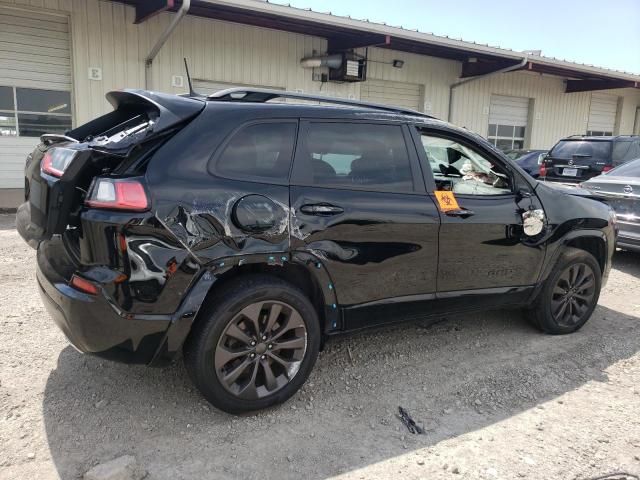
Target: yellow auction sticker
[{"x": 446, "y": 200}]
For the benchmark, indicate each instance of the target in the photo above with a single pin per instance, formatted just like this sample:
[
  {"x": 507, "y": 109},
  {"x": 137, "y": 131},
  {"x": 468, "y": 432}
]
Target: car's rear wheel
[
  {"x": 569, "y": 295},
  {"x": 254, "y": 344}
]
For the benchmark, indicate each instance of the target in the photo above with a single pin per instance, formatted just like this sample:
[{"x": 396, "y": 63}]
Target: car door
[
  {"x": 484, "y": 253},
  {"x": 359, "y": 206}
]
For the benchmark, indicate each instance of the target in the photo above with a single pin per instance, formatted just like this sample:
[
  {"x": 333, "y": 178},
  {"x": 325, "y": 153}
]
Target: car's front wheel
[
  {"x": 254, "y": 344},
  {"x": 570, "y": 293}
]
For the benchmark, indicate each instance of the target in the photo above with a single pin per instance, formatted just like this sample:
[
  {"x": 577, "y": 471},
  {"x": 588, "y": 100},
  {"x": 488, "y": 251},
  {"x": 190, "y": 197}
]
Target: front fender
[{"x": 607, "y": 238}]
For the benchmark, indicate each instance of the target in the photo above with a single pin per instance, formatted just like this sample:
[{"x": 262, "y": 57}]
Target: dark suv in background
[
  {"x": 245, "y": 233},
  {"x": 578, "y": 158}
]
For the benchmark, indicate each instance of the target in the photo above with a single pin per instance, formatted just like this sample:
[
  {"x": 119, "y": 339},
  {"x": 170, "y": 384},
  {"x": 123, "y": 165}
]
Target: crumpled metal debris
[{"x": 411, "y": 425}]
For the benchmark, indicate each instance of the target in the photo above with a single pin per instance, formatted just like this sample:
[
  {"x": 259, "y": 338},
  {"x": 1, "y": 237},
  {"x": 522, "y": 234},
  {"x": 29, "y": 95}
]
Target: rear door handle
[
  {"x": 461, "y": 212},
  {"x": 322, "y": 209}
]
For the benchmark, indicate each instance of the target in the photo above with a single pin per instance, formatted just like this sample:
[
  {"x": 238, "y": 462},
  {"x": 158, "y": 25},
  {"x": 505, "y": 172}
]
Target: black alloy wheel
[
  {"x": 573, "y": 294},
  {"x": 261, "y": 349},
  {"x": 253, "y": 344},
  {"x": 569, "y": 295}
]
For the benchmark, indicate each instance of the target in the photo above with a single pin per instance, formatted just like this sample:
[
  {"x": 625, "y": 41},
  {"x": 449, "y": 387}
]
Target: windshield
[
  {"x": 581, "y": 148},
  {"x": 631, "y": 169}
]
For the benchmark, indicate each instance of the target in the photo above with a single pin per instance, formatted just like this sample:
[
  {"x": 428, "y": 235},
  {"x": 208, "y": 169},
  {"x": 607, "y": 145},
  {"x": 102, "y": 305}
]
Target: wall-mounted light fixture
[{"x": 398, "y": 63}]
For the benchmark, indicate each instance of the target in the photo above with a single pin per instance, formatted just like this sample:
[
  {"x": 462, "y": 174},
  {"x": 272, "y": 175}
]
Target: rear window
[
  {"x": 631, "y": 169},
  {"x": 581, "y": 148},
  {"x": 261, "y": 151}
]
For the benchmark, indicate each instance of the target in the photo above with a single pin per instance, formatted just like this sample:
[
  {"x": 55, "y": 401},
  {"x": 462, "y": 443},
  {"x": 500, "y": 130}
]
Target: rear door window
[
  {"x": 364, "y": 156},
  {"x": 259, "y": 152}
]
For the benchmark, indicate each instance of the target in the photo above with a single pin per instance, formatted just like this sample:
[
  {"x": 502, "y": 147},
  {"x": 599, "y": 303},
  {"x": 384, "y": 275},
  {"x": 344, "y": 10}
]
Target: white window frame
[{"x": 16, "y": 111}]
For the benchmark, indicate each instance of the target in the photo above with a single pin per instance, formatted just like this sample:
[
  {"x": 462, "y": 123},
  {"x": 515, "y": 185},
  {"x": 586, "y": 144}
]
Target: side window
[
  {"x": 357, "y": 155},
  {"x": 460, "y": 169},
  {"x": 634, "y": 151},
  {"x": 620, "y": 152},
  {"x": 261, "y": 151}
]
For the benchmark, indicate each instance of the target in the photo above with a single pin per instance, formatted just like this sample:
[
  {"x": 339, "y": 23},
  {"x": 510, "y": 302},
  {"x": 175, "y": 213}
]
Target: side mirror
[
  {"x": 522, "y": 194},
  {"x": 533, "y": 222}
]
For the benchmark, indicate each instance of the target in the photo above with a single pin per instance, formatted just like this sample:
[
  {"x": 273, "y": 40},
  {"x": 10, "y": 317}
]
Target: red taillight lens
[
  {"x": 83, "y": 285},
  {"x": 543, "y": 170},
  {"x": 56, "y": 160},
  {"x": 607, "y": 168},
  {"x": 118, "y": 194}
]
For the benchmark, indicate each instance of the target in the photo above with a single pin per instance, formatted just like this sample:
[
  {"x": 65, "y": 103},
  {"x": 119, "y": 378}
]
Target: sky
[{"x": 605, "y": 33}]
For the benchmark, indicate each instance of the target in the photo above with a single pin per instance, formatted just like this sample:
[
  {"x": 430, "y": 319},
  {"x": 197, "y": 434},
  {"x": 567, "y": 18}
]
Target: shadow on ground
[
  {"x": 477, "y": 369},
  {"x": 627, "y": 262}
]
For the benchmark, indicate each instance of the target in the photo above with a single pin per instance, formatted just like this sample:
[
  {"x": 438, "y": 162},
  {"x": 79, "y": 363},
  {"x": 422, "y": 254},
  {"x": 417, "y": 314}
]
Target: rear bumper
[
  {"x": 29, "y": 232},
  {"x": 91, "y": 324}
]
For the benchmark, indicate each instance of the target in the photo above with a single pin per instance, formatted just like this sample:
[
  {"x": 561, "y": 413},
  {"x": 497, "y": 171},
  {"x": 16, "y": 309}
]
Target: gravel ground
[{"x": 496, "y": 398}]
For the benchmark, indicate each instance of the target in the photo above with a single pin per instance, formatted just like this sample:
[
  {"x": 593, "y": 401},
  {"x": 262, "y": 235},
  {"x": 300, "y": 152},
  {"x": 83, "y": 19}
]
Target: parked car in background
[
  {"x": 529, "y": 160},
  {"x": 578, "y": 158},
  {"x": 620, "y": 188},
  {"x": 245, "y": 233}
]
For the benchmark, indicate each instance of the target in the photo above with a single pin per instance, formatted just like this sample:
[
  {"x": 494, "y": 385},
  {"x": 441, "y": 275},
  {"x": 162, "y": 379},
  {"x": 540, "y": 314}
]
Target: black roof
[{"x": 609, "y": 138}]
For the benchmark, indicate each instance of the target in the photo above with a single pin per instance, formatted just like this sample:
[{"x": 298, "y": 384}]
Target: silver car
[{"x": 620, "y": 188}]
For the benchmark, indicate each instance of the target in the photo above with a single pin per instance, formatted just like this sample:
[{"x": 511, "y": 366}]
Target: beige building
[{"x": 58, "y": 58}]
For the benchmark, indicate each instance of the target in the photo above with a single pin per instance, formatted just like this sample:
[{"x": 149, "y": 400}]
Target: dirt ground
[{"x": 497, "y": 400}]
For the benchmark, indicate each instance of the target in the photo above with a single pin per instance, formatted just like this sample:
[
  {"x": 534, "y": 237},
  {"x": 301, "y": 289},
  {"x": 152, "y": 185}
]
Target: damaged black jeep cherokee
[{"x": 244, "y": 233}]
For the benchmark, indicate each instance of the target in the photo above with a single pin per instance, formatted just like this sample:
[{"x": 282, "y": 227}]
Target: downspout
[
  {"x": 184, "y": 8},
  {"x": 467, "y": 80}
]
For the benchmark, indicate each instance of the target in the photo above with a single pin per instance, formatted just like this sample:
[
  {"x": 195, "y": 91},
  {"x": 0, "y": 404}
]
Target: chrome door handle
[{"x": 322, "y": 209}]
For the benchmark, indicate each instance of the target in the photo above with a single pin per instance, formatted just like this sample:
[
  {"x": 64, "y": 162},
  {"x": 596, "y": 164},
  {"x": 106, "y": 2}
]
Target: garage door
[
  {"x": 35, "y": 86},
  {"x": 207, "y": 87},
  {"x": 508, "y": 121},
  {"x": 408, "y": 95},
  {"x": 602, "y": 114}
]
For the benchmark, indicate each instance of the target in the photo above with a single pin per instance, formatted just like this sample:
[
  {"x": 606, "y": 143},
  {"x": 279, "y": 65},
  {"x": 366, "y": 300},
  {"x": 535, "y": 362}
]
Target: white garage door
[
  {"x": 207, "y": 87},
  {"x": 508, "y": 121},
  {"x": 35, "y": 85},
  {"x": 602, "y": 114},
  {"x": 408, "y": 95}
]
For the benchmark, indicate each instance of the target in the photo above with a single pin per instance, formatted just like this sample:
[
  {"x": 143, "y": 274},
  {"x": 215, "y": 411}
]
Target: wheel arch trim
[{"x": 217, "y": 273}]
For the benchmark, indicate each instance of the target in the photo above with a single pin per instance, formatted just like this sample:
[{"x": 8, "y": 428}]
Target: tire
[
  {"x": 574, "y": 283},
  {"x": 224, "y": 340}
]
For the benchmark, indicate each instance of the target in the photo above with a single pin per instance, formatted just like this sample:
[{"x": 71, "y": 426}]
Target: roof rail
[{"x": 262, "y": 95}]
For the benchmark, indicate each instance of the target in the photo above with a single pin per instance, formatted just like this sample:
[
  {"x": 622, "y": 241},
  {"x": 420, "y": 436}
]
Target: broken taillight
[
  {"x": 83, "y": 285},
  {"x": 56, "y": 160},
  {"x": 118, "y": 194}
]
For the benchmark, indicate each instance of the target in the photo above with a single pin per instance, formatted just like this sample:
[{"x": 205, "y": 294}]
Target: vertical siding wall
[
  {"x": 555, "y": 114},
  {"x": 434, "y": 74},
  {"x": 103, "y": 35}
]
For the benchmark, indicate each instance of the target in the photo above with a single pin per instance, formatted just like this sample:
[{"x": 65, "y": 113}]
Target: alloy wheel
[
  {"x": 261, "y": 349},
  {"x": 573, "y": 294}
]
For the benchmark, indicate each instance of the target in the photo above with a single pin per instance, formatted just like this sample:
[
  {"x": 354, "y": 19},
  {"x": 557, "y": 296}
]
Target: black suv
[
  {"x": 578, "y": 158},
  {"x": 244, "y": 233}
]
